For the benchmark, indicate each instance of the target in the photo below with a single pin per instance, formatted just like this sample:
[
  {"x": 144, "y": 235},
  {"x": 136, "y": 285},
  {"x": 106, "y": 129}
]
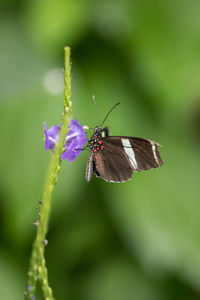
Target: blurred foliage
[{"x": 136, "y": 240}]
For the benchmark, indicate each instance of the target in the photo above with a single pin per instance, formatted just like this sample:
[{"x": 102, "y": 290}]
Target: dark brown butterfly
[{"x": 115, "y": 158}]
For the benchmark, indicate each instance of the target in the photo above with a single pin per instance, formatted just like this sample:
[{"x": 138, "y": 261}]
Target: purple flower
[
  {"x": 51, "y": 136},
  {"x": 75, "y": 139}
]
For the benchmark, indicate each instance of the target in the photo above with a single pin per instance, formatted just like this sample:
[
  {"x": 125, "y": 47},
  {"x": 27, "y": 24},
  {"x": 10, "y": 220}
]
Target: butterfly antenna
[
  {"x": 109, "y": 113},
  {"x": 98, "y": 116}
]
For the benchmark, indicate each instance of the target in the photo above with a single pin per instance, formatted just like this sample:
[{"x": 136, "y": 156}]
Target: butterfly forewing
[
  {"x": 146, "y": 153},
  {"x": 143, "y": 153}
]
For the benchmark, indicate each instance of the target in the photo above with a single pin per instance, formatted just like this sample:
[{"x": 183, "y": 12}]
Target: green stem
[{"x": 38, "y": 270}]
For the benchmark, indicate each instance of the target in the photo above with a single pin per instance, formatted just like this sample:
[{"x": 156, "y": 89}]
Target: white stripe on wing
[{"x": 129, "y": 151}]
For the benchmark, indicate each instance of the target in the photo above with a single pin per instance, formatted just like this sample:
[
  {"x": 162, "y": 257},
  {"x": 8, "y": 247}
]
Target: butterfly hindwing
[
  {"x": 112, "y": 164},
  {"x": 90, "y": 168}
]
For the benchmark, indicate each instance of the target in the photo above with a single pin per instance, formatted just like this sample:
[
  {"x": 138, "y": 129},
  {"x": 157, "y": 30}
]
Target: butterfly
[{"x": 116, "y": 158}]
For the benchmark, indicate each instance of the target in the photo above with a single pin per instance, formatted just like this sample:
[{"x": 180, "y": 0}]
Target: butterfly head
[{"x": 97, "y": 131}]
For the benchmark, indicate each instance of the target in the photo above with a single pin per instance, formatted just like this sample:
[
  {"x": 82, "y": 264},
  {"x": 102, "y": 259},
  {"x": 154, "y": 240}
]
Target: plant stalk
[{"x": 38, "y": 272}]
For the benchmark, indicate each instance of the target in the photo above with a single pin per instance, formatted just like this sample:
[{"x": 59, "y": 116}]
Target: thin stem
[
  {"x": 38, "y": 270},
  {"x": 67, "y": 81}
]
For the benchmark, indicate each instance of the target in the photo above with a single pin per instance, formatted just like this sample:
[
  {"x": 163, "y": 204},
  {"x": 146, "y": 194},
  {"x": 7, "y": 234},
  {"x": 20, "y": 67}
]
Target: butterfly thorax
[{"x": 96, "y": 143}]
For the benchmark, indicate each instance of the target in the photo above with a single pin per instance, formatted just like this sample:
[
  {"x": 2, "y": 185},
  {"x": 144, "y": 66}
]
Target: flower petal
[
  {"x": 51, "y": 136},
  {"x": 75, "y": 139}
]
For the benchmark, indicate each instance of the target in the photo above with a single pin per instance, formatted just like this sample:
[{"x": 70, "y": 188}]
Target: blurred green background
[{"x": 137, "y": 240}]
